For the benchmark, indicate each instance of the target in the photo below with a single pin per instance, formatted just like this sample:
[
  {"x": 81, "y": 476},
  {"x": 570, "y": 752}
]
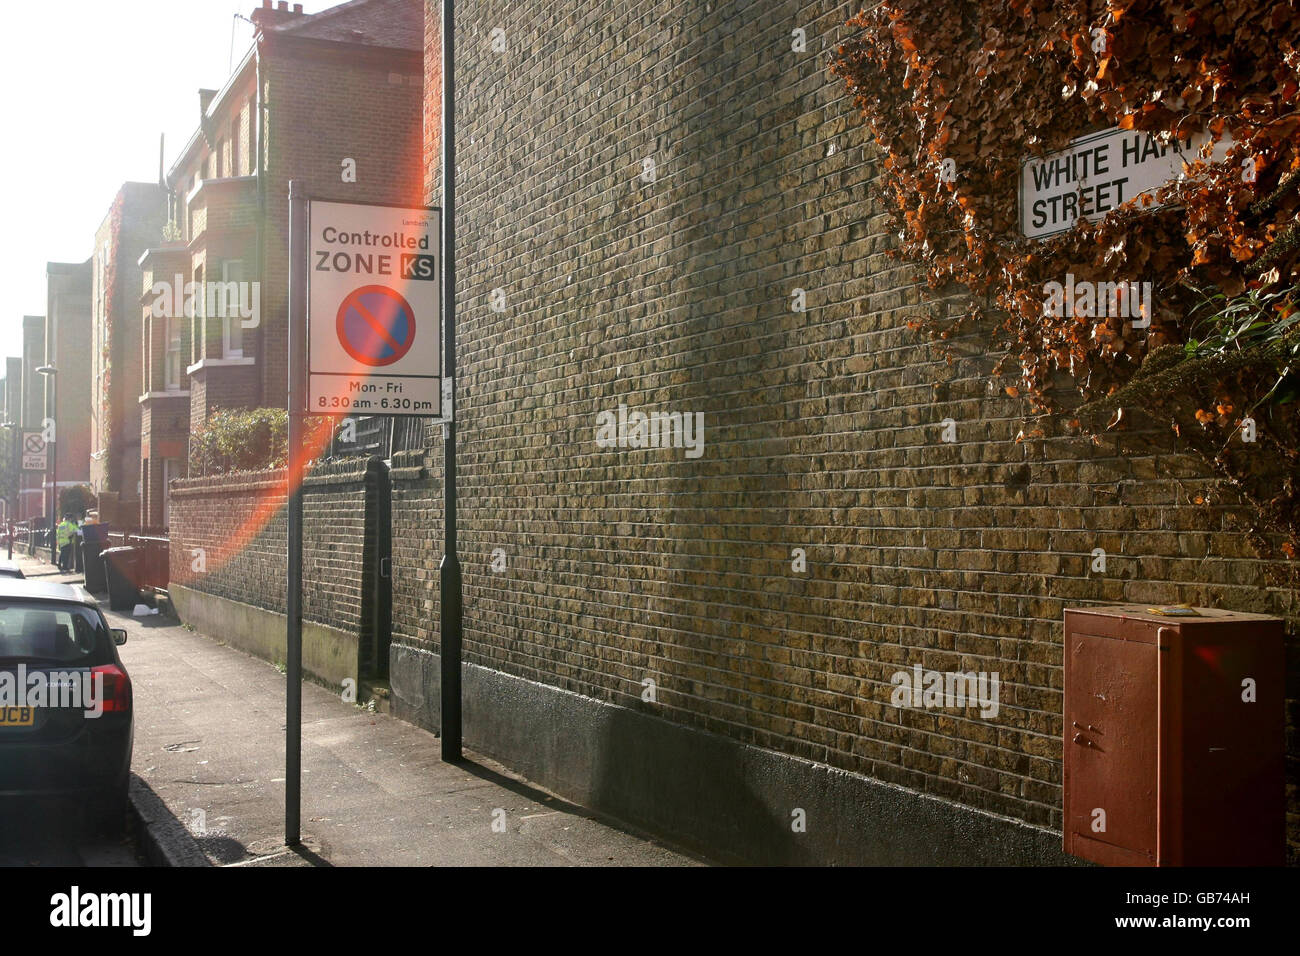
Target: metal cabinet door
[{"x": 1111, "y": 749}]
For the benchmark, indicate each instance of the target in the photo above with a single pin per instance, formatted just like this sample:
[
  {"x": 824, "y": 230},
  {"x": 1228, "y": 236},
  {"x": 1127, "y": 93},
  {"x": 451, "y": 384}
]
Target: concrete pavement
[{"x": 209, "y": 742}]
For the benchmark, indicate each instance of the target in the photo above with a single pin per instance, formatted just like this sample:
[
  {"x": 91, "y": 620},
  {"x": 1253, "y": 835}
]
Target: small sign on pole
[
  {"x": 374, "y": 310},
  {"x": 35, "y": 451}
]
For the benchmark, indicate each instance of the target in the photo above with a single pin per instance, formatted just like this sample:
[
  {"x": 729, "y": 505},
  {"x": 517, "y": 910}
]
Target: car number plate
[{"x": 17, "y": 716}]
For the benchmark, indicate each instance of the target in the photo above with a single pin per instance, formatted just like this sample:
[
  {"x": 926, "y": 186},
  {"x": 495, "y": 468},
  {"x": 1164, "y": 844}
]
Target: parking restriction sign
[
  {"x": 35, "y": 452},
  {"x": 374, "y": 309}
]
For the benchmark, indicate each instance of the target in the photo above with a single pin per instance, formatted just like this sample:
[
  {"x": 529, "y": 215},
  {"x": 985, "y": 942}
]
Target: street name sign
[
  {"x": 1100, "y": 172},
  {"x": 374, "y": 310}
]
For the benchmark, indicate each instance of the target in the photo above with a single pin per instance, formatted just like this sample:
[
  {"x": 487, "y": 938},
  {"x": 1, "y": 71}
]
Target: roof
[
  {"x": 383, "y": 24},
  {"x": 19, "y": 588},
  {"x": 395, "y": 24}
]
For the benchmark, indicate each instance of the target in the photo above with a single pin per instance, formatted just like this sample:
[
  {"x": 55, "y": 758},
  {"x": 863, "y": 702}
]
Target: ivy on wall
[
  {"x": 110, "y": 278},
  {"x": 958, "y": 94}
]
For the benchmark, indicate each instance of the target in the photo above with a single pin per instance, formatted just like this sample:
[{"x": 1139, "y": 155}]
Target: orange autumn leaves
[
  {"x": 984, "y": 84},
  {"x": 987, "y": 83}
]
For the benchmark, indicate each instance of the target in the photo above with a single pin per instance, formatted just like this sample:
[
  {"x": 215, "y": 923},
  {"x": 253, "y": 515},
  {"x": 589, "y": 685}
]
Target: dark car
[
  {"x": 10, "y": 570},
  {"x": 66, "y": 717}
]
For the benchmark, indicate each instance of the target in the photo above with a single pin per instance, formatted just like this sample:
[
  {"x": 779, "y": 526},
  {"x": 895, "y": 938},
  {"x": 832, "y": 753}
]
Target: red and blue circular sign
[{"x": 376, "y": 325}]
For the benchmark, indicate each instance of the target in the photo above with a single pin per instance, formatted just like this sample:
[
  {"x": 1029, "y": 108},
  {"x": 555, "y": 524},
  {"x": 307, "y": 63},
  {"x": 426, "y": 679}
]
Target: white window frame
[
  {"x": 232, "y": 331},
  {"x": 172, "y": 360}
]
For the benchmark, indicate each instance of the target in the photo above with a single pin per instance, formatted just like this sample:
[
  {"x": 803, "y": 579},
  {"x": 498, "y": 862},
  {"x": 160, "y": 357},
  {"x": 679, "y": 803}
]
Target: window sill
[
  {"x": 218, "y": 363},
  {"x": 170, "y": 393}
]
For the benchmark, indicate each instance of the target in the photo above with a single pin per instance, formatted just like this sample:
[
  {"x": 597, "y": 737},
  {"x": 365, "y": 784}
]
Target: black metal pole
[
  {"x": 52, "y": 450},
  {"x": 297, "y": 402},
  {"x": 449, "y": 598},
  {"x": 15, "y": 437}
]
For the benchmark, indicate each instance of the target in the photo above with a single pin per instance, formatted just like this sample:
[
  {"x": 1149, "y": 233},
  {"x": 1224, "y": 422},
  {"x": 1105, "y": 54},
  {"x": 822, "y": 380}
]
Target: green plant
[
  {"x": 76, "y": 500},
  {"x": 8, "y": 467},
  {"x": 240, "y": 440},
  {"x": 251, "y": 439},
  {"x": 1259, "y": 324}
]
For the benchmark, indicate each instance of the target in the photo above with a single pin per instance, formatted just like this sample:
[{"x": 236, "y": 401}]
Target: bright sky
[{"x": 89, "y": 86}]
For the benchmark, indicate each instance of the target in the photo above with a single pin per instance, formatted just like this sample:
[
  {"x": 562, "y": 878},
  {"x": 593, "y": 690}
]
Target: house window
[
  {"x": 172, "y": 358},
  {"x": 234, "y": 148},
  {"x": 252, "y": 134},
  {"x": 198, "y": 321},
  {"x": 228, "y": 300}
]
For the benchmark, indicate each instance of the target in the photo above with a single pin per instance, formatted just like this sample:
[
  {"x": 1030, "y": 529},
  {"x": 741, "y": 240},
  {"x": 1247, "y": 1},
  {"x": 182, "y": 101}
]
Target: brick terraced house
[
  {"x": 333, "y": 99},
  {"x": 67, "y": 330},
  {"x": 134, "y": 222}
]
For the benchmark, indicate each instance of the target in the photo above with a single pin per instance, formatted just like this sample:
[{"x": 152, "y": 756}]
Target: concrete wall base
[
  {"x": 328, "y": 654},
  {"x": 728, "y": 800}
]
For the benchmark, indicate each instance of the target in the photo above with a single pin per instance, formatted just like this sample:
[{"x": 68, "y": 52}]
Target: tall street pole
[
  {"x": 449, "y": 599},
  {"x": 11, "y": 502},
  {"x": 53, "y": 451},
  {"x": 297, "y": 402},
  {"x": 51, "y": 374}
]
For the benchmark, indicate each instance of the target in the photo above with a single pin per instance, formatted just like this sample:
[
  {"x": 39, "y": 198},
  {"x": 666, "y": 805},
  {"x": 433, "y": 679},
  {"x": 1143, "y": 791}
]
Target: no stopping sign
[{"x": 374, "y": 310}]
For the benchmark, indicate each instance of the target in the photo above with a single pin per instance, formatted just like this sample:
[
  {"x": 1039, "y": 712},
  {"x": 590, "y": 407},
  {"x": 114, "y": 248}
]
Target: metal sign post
[
  {"x": 449, "y": 598},
  {"x": 298, "y": 274},
  {"x": 364, "y": 305}
]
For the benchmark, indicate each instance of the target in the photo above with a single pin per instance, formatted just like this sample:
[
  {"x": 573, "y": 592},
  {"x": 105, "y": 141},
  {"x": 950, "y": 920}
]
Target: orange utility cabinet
[{"x": 1173, "y": 750}]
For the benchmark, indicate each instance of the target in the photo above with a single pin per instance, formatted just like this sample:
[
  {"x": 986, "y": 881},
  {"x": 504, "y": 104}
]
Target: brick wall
[
  {"x": 238, "y": 520},
  {"x": 222, "y": 386},
  {"x": 822, "y": 428},
  {"x": 417, "y": 547}
]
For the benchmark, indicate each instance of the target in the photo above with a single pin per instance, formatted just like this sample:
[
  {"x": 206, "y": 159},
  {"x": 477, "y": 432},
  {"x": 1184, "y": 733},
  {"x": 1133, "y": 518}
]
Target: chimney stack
[{"x": 273, "y": 14}]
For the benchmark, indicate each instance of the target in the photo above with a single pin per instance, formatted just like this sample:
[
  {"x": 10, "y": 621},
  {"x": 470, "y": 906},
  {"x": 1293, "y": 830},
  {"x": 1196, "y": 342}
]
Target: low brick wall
[{"x": 229, "y": 541}]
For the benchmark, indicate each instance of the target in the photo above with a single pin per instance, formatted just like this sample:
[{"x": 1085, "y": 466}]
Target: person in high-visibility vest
[{"x": 63, "y": 536}]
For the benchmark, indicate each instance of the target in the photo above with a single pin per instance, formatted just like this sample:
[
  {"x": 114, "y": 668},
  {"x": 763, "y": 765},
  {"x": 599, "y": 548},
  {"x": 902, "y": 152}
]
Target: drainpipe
[{"x": 260, "y": 135}]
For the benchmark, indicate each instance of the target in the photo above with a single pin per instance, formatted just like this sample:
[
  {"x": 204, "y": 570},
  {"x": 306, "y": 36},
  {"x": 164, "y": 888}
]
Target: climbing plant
[{"x": 959, "y": 94}]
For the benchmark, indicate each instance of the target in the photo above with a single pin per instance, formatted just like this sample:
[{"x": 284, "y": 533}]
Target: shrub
[
  {"x": 240, "y": 439},
  {"x": 76, "y": 500}
]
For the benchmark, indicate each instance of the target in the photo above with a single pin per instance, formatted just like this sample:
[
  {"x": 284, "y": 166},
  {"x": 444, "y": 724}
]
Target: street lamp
[
  {"x": 52, "y": 407},
  {"x": 11, "y": 503}
]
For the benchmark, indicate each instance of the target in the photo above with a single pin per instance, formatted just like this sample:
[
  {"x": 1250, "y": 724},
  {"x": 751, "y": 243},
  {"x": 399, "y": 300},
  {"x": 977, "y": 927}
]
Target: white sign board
[
  {"x": 374, "y": 310},
  {"x": 1097, "y": 173},
  {"x": 35, "y": 452}
]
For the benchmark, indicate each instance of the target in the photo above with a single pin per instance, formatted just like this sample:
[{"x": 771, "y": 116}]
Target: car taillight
[{"x": 117, "y": 688}]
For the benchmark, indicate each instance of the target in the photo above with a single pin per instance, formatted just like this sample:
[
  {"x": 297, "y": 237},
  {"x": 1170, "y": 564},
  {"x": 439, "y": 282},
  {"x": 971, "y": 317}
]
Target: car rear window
[{"x": 46, "y": 631}]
